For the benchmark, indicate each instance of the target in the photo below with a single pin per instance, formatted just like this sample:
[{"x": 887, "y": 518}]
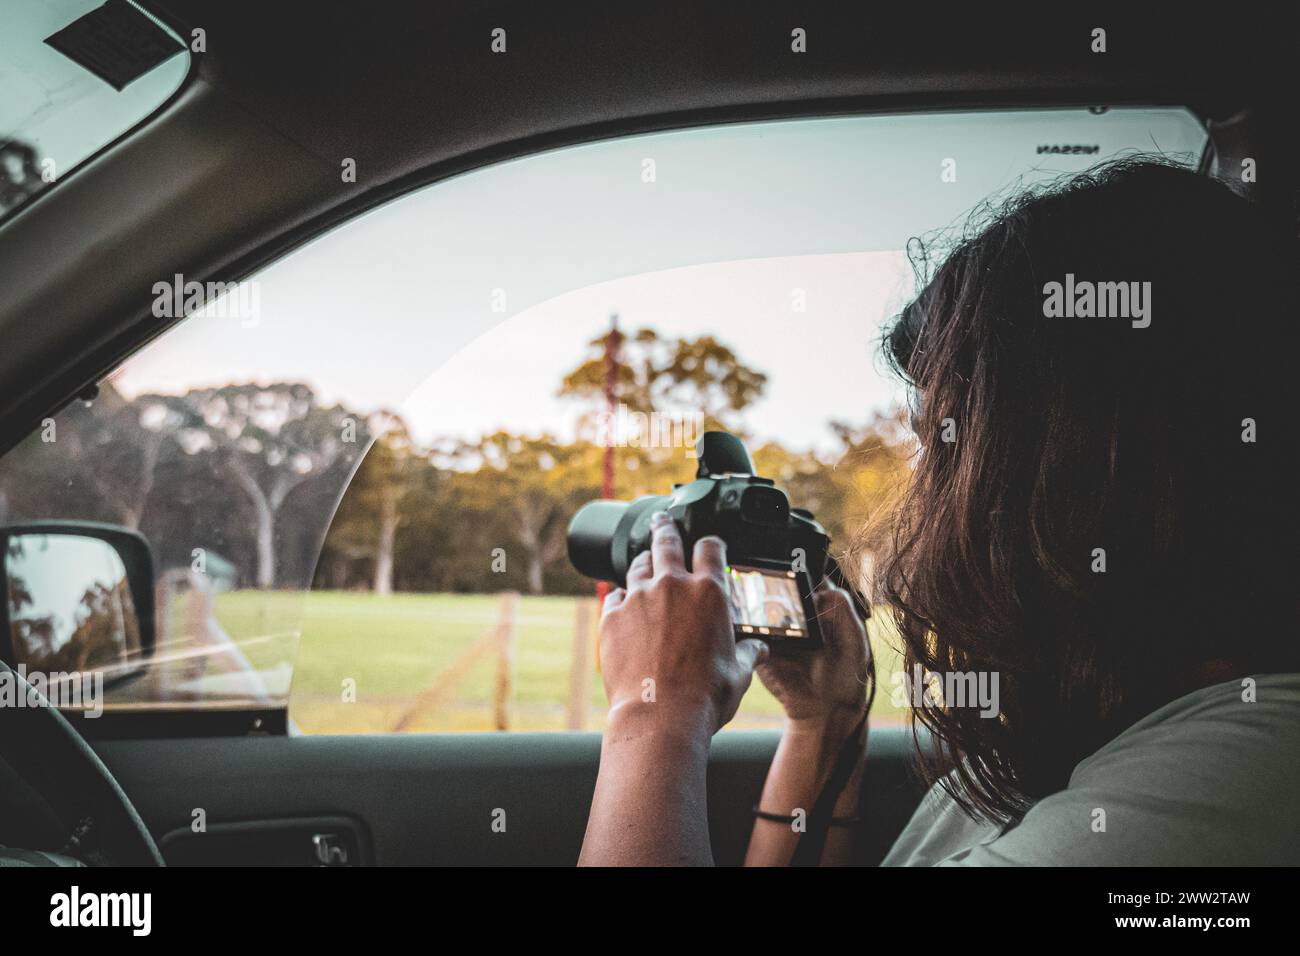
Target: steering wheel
[{"x": 102, "y": 826}]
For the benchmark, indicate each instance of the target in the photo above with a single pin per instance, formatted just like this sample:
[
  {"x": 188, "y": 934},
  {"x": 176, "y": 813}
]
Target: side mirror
[{"x": 78, "y": 599}]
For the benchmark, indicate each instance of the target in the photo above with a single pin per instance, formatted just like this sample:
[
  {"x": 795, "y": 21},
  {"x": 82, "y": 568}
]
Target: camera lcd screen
[{"x": 766, "y": 602}]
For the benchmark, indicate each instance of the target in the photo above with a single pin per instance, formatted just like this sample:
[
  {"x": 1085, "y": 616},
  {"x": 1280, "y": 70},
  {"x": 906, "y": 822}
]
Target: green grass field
[{"x": 393, "y": 648}]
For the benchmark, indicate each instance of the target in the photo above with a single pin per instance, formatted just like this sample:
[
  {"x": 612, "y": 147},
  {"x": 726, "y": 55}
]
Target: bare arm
[
  {"x": 803, "y": 763},
  {"x": 650, "y": 807},
  {"x": 674, "y": 673},
  {"x": 824, "y": 696}
]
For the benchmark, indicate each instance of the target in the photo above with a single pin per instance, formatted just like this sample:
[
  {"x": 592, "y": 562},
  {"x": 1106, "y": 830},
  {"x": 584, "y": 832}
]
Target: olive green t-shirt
[{"x": 1210, "y": 779}]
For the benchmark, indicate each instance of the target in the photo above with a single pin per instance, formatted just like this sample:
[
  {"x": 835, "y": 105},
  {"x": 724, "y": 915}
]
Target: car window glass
[{"x": 356, "y": 467}]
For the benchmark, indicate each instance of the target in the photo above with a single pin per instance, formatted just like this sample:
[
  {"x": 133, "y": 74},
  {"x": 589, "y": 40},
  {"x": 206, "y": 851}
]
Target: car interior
[{"x": 239, "y": 168}]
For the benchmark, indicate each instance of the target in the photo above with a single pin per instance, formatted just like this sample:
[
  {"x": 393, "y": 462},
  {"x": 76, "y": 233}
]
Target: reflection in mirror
[{"x": 70, "y": 606}]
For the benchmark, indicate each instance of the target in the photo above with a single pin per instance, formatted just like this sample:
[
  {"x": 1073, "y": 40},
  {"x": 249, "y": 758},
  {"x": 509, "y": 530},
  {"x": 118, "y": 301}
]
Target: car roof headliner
[{"x": 244, "y": 163}]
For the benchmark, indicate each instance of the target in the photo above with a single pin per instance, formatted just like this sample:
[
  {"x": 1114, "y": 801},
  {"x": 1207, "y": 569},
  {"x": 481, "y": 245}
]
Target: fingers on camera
[
  {"x": 612, "y": 600},
  {"x": 666, "y": 546},
  {"x": 641, "y": 571},
  {"x": 751, "y": 652},
  {"x": 710, "y": 558}
]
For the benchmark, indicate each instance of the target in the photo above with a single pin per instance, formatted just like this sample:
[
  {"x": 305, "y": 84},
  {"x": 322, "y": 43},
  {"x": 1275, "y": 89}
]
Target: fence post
[
  {"x": 175, "y": 662},
  {"x": 505, "y": 656},
  {"x": 158, "y": 672},
  {"x": 199, "y": 608},
  {"x": 164, "y": 591},
  {"x": 575, "y": 717}
]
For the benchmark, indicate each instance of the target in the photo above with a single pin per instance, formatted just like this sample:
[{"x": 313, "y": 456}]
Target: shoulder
[
  {"x": 1207, "y": 780},
  {"x": 938, "y": 831}
]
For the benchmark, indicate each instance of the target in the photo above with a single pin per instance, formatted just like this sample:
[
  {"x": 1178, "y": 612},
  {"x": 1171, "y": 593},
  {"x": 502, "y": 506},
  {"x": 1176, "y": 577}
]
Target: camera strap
[{"x": 813, "y": 840}]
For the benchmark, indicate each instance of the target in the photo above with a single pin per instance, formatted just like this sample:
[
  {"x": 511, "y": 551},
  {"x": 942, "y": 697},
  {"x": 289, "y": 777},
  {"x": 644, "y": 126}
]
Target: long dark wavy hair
[{"x": 1052, "y": 448}]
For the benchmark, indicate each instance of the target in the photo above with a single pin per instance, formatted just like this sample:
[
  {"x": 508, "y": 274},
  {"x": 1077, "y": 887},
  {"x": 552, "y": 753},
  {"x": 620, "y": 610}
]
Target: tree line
[{"x": 242, "y": 481}]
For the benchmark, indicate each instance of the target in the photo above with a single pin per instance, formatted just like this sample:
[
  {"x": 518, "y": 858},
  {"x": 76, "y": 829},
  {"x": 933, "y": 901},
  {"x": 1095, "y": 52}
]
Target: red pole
[
  {"x": 611, "y": 387},
  {"x": 612, "y": 341}
]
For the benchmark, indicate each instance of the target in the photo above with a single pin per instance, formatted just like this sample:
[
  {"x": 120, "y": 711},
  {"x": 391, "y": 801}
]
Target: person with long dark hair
[{"x": 1101, "y": 525}]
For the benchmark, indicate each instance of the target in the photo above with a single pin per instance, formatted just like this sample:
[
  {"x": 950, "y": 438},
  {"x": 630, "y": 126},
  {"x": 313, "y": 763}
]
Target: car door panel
[{"x": 433, "y": 799}]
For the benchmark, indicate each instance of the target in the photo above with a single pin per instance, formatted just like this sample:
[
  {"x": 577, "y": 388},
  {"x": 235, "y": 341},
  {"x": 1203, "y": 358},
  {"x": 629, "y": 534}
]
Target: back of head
[{"x": 1100, "y": 512}]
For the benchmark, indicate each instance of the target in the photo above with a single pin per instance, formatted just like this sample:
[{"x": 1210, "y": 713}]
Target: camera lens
[{"x": 591, "y": 536}]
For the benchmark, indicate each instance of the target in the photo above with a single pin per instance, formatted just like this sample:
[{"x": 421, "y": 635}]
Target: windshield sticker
[{"x": 116, "y": 42}]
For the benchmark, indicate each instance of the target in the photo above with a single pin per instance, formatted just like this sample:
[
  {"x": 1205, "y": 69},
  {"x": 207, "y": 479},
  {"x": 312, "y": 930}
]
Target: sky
[
  {"x": 821, "y": 361},
  {"x": 462, "y": 304}
]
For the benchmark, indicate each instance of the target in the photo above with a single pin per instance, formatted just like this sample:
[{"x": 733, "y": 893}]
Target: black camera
[{"x": 776, "y": 555}]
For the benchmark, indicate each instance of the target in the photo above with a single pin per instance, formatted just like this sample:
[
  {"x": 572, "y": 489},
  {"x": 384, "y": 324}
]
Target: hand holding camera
[
  {"x": 825, "y": 695},
  {"x": 668, "y": 655},
  {"x": 722, "y": 556},
  {"x": 710, "y": 576}
]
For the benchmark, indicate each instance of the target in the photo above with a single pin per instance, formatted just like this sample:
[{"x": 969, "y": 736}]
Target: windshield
[{"x": 76, "y": 74}]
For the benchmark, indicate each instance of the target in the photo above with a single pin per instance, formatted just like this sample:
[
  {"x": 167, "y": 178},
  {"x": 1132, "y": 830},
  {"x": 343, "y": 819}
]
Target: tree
[
  {"x": 371, "y": 512},
  {"x": 53, "y": 471},
  {"x": 272, "y": 447},
  {"x": 527, "y": 489},
  {"x": 270, "y": 440},
  {"x": 670, "y": 376},
  {"x": 701, "y": 381},
  {"x": 119, "y": 444}
]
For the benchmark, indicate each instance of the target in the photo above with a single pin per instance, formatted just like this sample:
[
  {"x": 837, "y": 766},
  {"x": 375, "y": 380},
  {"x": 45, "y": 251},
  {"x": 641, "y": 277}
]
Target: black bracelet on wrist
[{"x": 781, "y": 818}]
